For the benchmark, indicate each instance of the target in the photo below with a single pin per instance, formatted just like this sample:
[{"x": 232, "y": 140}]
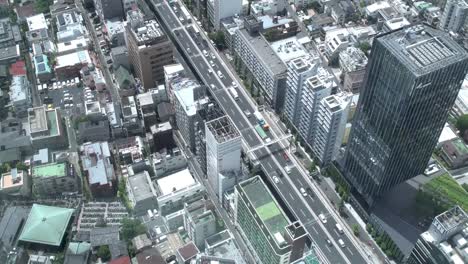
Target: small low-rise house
[
  {"x": 149, "y": 256},
  {"x": 126, "y": 83},
  {"x": 168, "y": 161},
  {"x": 42, "y": 68},
  {"x": 69, "y": 65},
  {"x": 15, "y": 183},
  {"x": 455, "y": 153},
  {"x": 186, "y": 253},
  {"x": 97, "y": 163},
  {"x": 20, "y": 97},
  {"x": 141, "y": 243},
  {"x": 9, "y": 54}
]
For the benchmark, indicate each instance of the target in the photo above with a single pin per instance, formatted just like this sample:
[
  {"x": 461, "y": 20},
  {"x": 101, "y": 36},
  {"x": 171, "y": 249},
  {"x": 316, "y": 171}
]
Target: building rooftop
[
  {"x": 11, "y": 223},
  {"x": 221, "y": 245},
  {"x": 96, "y": 160},
  {"x": 451, "y": 219},
  {"x": 50, "y": 170},
  {"x": 46, "y": 225},
  {"x": 79, "y": 57},
  {"x": 36, "y": 22},
  {"x": 422, "y": 48},
  {"x": 266, "y": 206},
  {"x": 104, "y": 235},
  {"x": 397, "y": 23},
  {"x": 222, "y": 129},
  {"x": 353, "y": 59},
  {"x": 12, "y": 179},
  {"x": 190, "y": 95},
  {"x": 264, "y": 51},
  {"x": 41, "y": 64},
  {"x": 175, "y": 181},
  {"x": 141, "y": 187},
  {"x": 188, "y": 251},
  {"x": 10, "y": 52},
  {"x": 288, "y": 49},
  {"x": 19, "y": 89},
  {"x": 148, "y": 33},
  {"x": 73, "y": 45}
]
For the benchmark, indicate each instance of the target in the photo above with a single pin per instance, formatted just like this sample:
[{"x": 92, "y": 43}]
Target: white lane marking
[
  {"x": 334, "y": 230},
  {"x": 315, "y": 230},
  {"x": 224, "y": 99},
  {"x": 290, "y": 195},
  {"x": 303, "y": 213},
  {"x": 350, "y": 252},
  {"x": 269, "y": 165}
]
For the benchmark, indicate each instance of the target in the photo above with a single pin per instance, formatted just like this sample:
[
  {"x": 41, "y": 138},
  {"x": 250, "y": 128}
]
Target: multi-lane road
[{"x": 273, "y": 157}]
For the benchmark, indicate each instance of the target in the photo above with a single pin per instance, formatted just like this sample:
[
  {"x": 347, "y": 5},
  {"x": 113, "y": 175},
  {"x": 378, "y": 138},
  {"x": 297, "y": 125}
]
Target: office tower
[
  {"x": 411, "y": 83},
  {"x": 444, "y": 242},
  {"x": 149, "y": 49},
  {"x": 107, "y": 9},
  {"x": 265, "y": 227},
  {"x": 331, "y": 123},
  {"x": 223, "y": 154},
  {"x": 454, "y": 15},
  {"x": 219, "y": 9}
]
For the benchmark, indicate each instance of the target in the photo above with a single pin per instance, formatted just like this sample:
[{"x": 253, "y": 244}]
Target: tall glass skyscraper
[{"x": 412, "y": 80}]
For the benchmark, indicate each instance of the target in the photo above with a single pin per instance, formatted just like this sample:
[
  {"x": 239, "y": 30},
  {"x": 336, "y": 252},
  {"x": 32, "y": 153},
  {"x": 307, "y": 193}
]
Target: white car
[
  {"x": 205, "y": 53},
  {"x": 213, "y": 86},
  {"x": 303, "y": 191},
  {"x": 341, "y": 242},
  {"x": 213, "y": 56},
  {"x": 323, "y": 218},
  {"x": 247, "y": 113},
  {"x": 287, "y": 169},
  {"x": 220, "y": 74},
  {"x": 212, "y": 63},
  {"x": 234, "y": 84},
  {"x": 275, "y": 179},
  {"x": 210, "y": 71}
]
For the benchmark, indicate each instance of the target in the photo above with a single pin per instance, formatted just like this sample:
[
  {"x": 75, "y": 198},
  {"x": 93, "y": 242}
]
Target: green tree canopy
[
  {"x": 104, "y": 253},
  {"x": 132, "y": 228},
  {"x": 462, "y": 124}
]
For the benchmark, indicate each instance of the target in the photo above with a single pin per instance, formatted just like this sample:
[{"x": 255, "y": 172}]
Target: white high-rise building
[
  {"x": 219, "y": 9},
  {"x": 331, "y": 124},
  {"x": 298, "y": 71},
  {"x": 307, "y": 84},
  {"x": 223, "y": 154},
  {"x": 454, "y": 15}
]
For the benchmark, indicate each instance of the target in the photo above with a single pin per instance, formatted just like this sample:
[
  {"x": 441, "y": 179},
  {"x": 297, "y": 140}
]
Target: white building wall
[
  {"x": 331, "y": 123},
  {"x": 221, "y": 9},
  {"x": 454, "y": 15}
]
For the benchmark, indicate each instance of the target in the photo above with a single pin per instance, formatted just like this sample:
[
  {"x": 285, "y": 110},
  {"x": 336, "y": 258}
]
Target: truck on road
[
  {"x": 233, "y": 92},
  {"x": 261, "y": 121}
]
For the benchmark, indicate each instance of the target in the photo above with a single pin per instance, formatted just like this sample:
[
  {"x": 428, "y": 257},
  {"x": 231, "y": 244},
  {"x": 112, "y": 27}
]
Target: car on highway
[
  {"x": 275, "y": 179},
  {"x": 329, "y": 243},
  {"x": 220, "y": 74},
  {"x": 247, "y": 113},
  {"x": 303, "y": 192},
  {"x": 234, "y": 84},
  {"x": 339, "y": 228},
  {"x": 287, "y": 169},
  {"x": 205, "y": 53},
  {"x": 212, "y": 63},
  {"x": 213, "y": 86},
  {"x": 322, "y": 218},
  {"x": 341, "y": 243},
  {"x": 213, "y": 56}
]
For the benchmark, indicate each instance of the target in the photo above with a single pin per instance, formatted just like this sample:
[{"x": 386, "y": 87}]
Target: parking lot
[{"x": 69, "y": 99}]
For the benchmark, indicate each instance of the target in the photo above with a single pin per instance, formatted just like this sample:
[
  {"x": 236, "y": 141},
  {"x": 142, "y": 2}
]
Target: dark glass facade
[{"x": 412, "y": 80}]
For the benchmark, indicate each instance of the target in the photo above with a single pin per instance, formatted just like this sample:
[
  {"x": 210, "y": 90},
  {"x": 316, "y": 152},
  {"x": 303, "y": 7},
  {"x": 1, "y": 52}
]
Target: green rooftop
[
  {"x": 52, "y": 120},
  {"x": 265, "y": 205},
  {"x": 49, "y": 170},
  {"x": 46, "y": 225}
]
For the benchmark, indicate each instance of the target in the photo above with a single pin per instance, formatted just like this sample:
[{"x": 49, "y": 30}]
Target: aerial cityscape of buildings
[{"x": 233, "y": 132}]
